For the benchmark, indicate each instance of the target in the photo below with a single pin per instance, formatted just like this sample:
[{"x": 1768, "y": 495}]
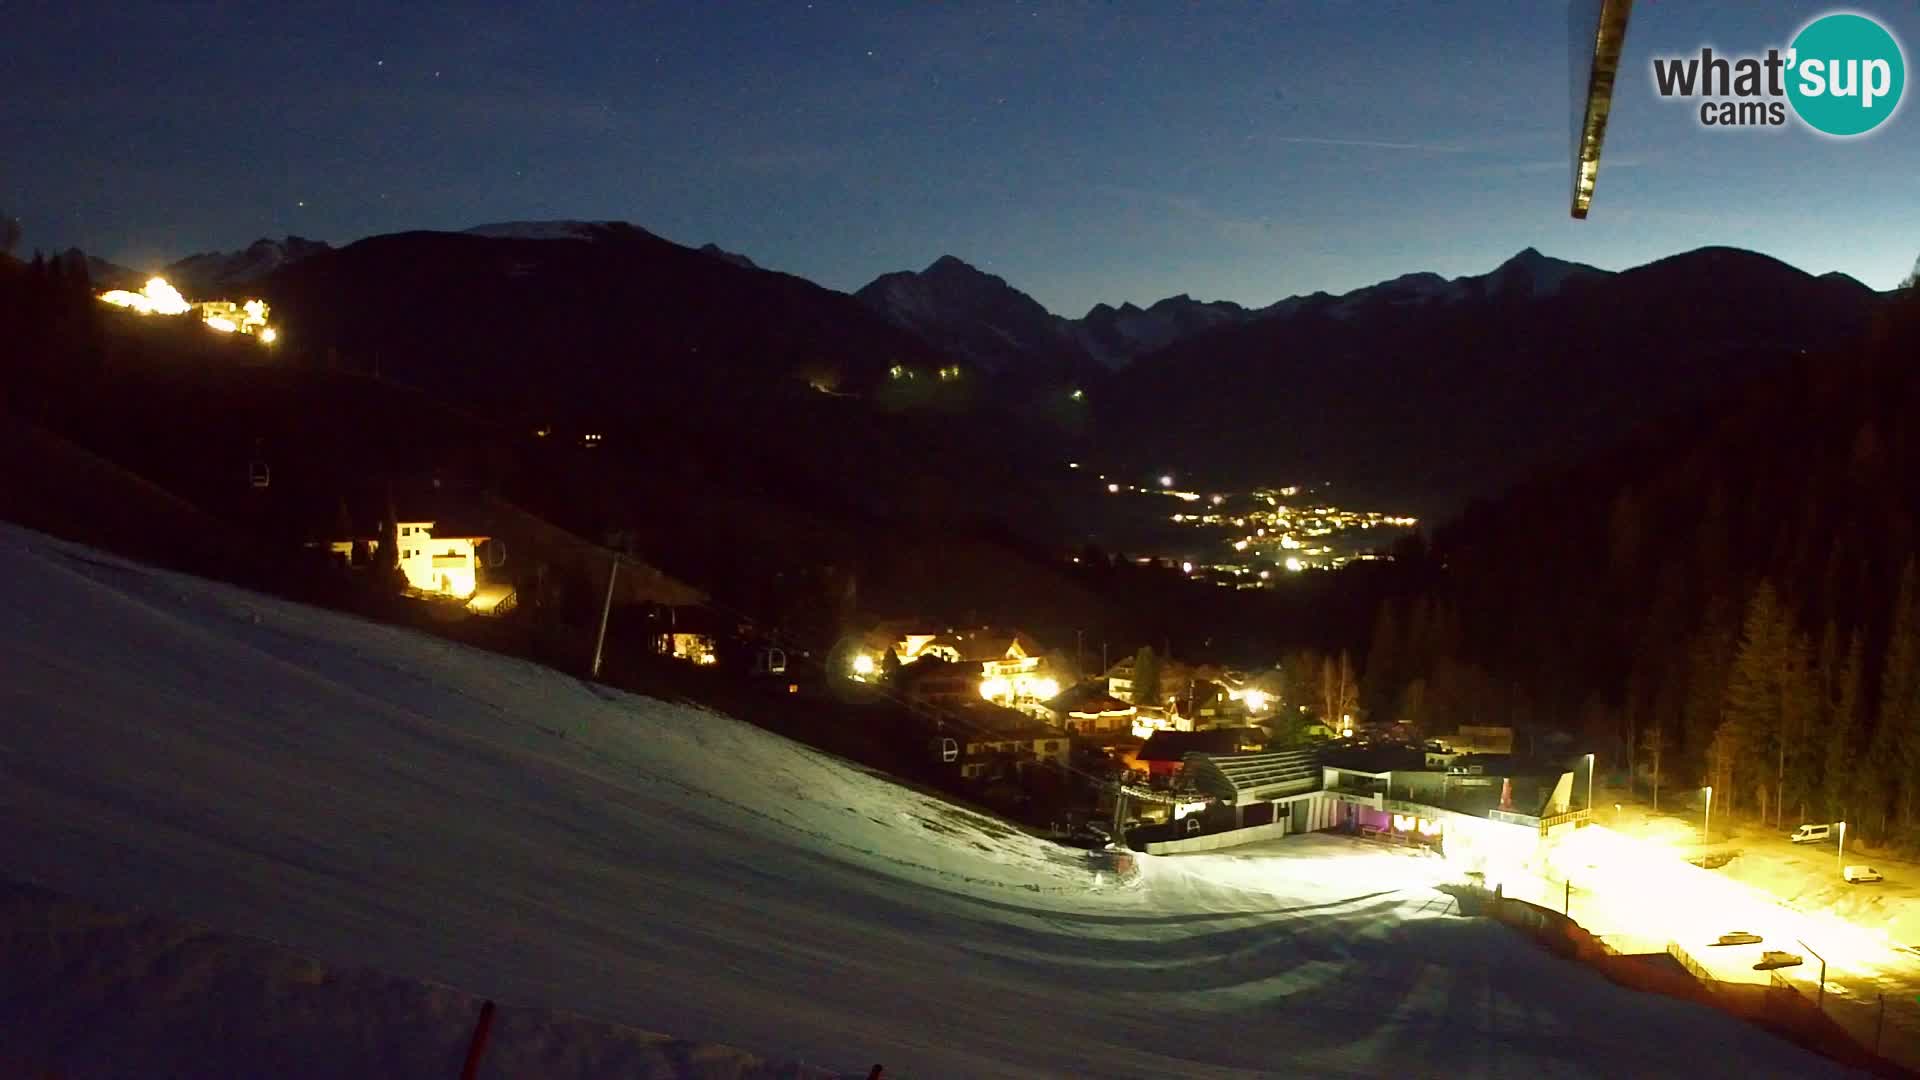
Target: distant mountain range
[
  {"x": 1421, "y": 389},
  {"x": 1427, "y": 391},
  {"x": 979, "y": 316}
]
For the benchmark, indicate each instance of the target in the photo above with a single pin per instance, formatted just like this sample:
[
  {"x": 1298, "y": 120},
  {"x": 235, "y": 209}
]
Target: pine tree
[
  {"x": 1843, "y": 733},
  {"x": 1386, "y": 661},
  {"x": 1802, "y": 717},
  {"x": 1704, "y": 688},
  {"x": 1900, "y": 692},
  {"x": 1766, "y": 697},
  {"x": 1146, "y": 677}
]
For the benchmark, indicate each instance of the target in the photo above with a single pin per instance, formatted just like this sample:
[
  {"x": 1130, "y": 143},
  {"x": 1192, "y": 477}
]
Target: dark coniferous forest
[{"x": 1729, "y": 599}]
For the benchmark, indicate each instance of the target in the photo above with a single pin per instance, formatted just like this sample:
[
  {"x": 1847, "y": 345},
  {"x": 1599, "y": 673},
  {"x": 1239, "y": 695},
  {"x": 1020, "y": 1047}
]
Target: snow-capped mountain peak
[
  {"x": 214, "y": 273},
  {"x": 538, "y": 230}
]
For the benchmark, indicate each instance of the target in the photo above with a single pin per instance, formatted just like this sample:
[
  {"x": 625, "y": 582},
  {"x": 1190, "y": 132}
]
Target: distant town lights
[
  {"x": 1113, "y": 489},
  {"x": 1166, "y": 481},
  {"x": 1294, "y": 565}
]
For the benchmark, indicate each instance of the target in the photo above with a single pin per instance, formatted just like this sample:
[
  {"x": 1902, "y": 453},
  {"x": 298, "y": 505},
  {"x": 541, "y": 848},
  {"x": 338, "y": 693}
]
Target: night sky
[{"x": 1086, "y": 152}]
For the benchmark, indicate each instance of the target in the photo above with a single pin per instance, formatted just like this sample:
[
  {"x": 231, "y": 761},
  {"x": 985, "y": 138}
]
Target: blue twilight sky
[{"x": 1085, "y": 151}]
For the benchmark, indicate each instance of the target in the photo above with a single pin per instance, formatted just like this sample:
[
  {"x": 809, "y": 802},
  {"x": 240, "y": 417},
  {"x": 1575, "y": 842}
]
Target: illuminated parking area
[{"x": 1636, "y": 893}]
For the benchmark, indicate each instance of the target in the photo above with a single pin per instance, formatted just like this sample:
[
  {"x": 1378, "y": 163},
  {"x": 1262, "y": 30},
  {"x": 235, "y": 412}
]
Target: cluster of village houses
[
  {"x": 1198, "y": 759},
  {"x": 1204, "y": 758}
]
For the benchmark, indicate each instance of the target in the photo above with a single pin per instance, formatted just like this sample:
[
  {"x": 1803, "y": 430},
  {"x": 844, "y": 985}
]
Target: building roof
[
  {"x": 985, "y": 720},
  {"x": 1379, "y": 758},
  {"x": 1238, "y": 779},
  {"x": 985, "y": 643},
  {"x": 1088, "y": 697},
  {"x": 932, "y": 667},
  {"x": 1176, "y": 745}
]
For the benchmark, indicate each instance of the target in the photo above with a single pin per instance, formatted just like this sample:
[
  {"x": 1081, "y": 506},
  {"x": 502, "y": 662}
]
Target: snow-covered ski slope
[{"x": 368, "y": 796}]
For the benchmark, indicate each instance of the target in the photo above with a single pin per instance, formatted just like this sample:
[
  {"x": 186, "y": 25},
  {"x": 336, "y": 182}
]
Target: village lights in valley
[{"x": 1295, "y": 565}]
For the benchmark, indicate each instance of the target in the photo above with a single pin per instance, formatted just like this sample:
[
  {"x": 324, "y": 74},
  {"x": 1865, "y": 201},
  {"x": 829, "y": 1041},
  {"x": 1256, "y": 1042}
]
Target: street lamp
[{"x": 1707, "y": 828}]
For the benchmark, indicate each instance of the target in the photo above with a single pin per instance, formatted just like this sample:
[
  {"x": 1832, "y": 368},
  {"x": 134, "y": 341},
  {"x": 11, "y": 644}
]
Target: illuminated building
[
  {"x": 157, "y": 297},
  {"x": 440, "y": 566}
]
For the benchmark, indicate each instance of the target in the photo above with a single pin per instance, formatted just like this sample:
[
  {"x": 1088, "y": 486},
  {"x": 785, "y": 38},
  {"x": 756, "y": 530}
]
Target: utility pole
[{"x": 606, "y": 609}]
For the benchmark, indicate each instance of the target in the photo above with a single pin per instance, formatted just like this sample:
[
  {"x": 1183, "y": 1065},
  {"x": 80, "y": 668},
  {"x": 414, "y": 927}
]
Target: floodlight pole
[{"x": 606, "y": 609}]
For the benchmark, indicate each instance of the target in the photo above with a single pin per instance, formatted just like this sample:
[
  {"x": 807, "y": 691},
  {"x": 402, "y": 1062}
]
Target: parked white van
[{"x": 1810, "y": 834}]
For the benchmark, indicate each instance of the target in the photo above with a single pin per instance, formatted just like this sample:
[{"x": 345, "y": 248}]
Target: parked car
[
  {"x": 1860, "y": 875},
  {"x": 1739, "y": 937},
  {"x": 1774, "y": 958},
  {"x": 1810, "y": 834}
]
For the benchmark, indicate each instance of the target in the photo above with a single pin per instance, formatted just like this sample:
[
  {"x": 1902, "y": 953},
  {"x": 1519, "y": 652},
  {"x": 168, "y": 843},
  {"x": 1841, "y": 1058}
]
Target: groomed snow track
[{"x": 374, "y": 798}]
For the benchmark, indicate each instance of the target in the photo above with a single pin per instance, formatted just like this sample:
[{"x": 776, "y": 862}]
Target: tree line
[{"x": 1727, "y": 599}]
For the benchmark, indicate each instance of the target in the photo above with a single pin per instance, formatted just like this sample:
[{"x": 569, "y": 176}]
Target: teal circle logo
[{"x": 1846, "y": 73}]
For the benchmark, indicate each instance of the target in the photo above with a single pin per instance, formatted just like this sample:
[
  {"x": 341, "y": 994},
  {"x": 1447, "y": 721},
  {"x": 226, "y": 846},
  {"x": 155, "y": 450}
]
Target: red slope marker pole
[{"x": 478, "y": 1047}]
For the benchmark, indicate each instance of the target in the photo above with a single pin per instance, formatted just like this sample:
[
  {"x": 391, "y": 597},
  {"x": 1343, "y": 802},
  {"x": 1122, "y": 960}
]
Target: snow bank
[
  {"x": 376, "y": 799},
  {"x": 128, "y": 993}
]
